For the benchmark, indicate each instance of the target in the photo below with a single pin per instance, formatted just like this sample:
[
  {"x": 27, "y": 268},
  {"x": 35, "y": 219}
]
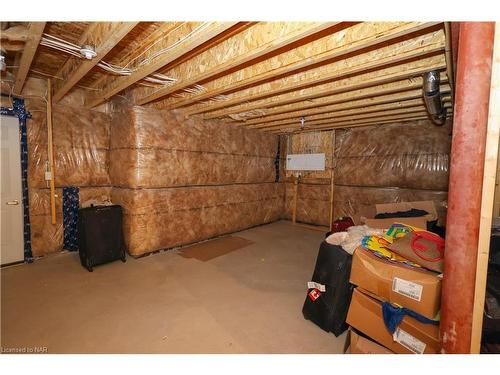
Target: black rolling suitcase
[
  {"x": 100, "y": 235},
  {"x": 329, "y": 293}
]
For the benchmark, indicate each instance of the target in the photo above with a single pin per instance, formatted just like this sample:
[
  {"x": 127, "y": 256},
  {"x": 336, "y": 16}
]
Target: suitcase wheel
[{"x": 88, "y": 265}]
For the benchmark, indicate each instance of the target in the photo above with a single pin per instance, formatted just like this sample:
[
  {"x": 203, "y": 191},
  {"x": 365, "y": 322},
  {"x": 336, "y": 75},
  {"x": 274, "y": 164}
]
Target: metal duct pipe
[{"x": 432, "y": 97}]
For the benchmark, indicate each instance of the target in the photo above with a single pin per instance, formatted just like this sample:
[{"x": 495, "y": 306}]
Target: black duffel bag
[{"x": 329, "y": 293}]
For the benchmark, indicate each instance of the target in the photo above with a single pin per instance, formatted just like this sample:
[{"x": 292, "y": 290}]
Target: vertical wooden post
[
  {"x": 332, "y": 179},
  {"x": 50, "y": 149},
  {"x": 295, "y": 194},
  {"x": 487, "y": 200}
]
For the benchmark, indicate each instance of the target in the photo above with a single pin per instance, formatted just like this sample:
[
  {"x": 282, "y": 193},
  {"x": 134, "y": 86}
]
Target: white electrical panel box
[{"x": 305, "y": 162}]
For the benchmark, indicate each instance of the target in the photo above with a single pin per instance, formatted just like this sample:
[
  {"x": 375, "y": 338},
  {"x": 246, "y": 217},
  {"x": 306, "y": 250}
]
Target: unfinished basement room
[{"x": 250, "y": 187}]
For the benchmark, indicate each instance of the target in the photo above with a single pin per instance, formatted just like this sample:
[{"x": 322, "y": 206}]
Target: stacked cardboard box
[{"x": 380, "y": 280}]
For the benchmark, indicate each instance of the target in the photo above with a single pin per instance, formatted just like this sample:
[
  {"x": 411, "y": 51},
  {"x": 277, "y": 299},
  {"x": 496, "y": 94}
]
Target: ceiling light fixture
[{"x": 88, "y": 51}]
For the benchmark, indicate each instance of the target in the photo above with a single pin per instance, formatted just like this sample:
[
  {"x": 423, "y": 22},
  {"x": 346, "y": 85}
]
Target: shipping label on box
[
  {"x": 408, "y": 341},
  {"x": 407, "y": 288}
]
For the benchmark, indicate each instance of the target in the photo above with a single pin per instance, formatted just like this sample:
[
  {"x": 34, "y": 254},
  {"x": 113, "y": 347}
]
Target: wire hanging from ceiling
[{"x": 62, "y": 45}]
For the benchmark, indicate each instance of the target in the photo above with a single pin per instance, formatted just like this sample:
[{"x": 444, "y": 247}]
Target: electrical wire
[{"x": 59, "y": 44}]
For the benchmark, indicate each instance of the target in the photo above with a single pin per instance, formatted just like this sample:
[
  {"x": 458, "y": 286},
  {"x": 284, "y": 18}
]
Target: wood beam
[
  {"x": 201, "y": 33},
  {"x": 104, "y": 36},
  {"x": 404, "y": 52},
  {"x": 413, "y": 111},
  {"x": 353, "y": 124},
  {"x": 35, "y": 30},
  {"x": 408, "y": 71},
  {"x": 319, "y": 52},
  {"x": 265, "y": 39},
  {"x": 418, "y": 102},
  {"x": 401, "y": 88},
  {"x": 397, "y": 99}
]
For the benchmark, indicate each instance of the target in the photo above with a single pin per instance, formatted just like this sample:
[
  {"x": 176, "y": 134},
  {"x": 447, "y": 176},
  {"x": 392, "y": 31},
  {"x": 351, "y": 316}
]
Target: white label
[
  {"x": 408, "y": 341},
  {"x": 312, "y": 285},
  {"x": 48, "y": 176},
  {"x": 407, "y": 288}
]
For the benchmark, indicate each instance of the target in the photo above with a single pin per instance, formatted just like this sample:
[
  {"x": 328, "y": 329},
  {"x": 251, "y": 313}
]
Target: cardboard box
[
  {"x": 362, "y": 345},
  {"x": 419, "y": 222},
  {"x": 411, "y": 336},
  {"x": 416, "y": 289}
]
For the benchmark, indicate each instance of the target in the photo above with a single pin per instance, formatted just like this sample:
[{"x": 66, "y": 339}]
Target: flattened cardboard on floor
[
  {"x": 365, "y": 314},
  {"x": 415, "y": 289}
]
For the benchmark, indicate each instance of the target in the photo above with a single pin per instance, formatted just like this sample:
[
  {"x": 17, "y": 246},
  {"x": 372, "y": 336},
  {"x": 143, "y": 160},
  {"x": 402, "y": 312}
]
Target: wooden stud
[
  {"x": 338, "y": 87},
  {"x": 332, "y": 179},
  {"x": 104, "y": 36},
  {"x": 487, "y": 200},
  {"x": 263, "y": 39},
  {"x": 405, "y": 52},
  {"x": 50, "y": 152},
  {"x": 295, "y": 195},
  {"x": 35, "y": 31},
  {"x": 320, "y": 52},
  {"x": 113, "y": 85}
]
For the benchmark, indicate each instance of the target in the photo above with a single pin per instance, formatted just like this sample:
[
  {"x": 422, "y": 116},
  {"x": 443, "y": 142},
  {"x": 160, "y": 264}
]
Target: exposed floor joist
[
  {"x": 198, "y": 32},
  {"x": 392, "y": 99},
  {"x": 413, "y": 110},
  {"x": 104, "y": 36},
  {"x": 353, "y": 124},
  {"x": 340, "y": 45},
  {"x": 393, "y": 90},
  {"x": 405, "y": 52},
  {"x": 262, "y": 40},
  {"x": 35, "y": 31},
  {"x": 388, "y": 75},
  {"x": 411, "y": 103}
]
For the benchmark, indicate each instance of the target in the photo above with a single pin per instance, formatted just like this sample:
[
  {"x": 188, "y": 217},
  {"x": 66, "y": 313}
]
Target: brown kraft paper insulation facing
[
  {"x": 81, "y": 153},
  {"x": 48, "y": 238},
  {"x": 375, "y": 164},
  {"x": 182, "y": 180},
  {"x": 81, "y": 147},
  {"x": 158, "y": 219},
  {"x": 185, "y": 151}
]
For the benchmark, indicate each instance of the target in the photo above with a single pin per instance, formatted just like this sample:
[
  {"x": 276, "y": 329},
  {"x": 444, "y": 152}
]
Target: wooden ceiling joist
[
  {"x": 312, "y": 55},
  {"x": 407, "y": 51},
  {"x": 263, "y": 39},
  {"x": 35, "y": 31},
  {"x": 392, "y": 99},
  {"x": 104, "y": 36},
  {"x": 415, "y": 109},
  {"x": 201, "y": 33},
  {"x": 411, "y": 103},
  {"x": 391, "y": 120},
  {"x": 392, "y": 90},
  {"x": 409, "y": 71}
]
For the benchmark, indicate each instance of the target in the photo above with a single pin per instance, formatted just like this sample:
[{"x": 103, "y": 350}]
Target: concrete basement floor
[{"x": 246, "y": 301}]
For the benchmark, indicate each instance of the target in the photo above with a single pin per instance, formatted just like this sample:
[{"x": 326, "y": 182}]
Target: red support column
[{"x": 475, "y": 49}]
